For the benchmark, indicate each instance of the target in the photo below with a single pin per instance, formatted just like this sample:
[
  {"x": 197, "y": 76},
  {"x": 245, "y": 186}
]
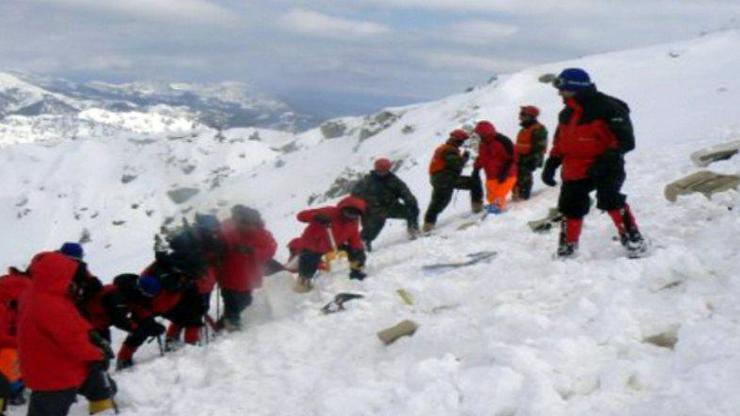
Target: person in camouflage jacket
[
  {"x": 386, "y": 196},
  {"x": 531, "y": 145}
]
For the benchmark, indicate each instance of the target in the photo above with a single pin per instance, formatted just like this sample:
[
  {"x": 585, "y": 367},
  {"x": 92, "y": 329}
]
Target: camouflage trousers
[{"x": 523, "y": 187}]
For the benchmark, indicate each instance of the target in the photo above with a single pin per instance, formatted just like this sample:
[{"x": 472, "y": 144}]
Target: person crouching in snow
[
  {"x": 497, "y": 159},
  {"x": 386, "y": 196},
  {"x": 331, "y": 229},
  {"x": 249, "y": 247},
  {"x": 12, "y": 287},
  {"x": 445, "y": 172},
  {"x": 58, "y": 357}
]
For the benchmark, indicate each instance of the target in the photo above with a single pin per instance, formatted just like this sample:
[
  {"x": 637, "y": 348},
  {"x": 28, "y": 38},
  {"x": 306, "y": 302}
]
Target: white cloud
[
  {"x": 470, "y": 62},
  {"x": 317, "y": 24},
  {"x": 558, "y": 8},
  {"x": 182, "y": 11},
  {"x": 478, "y": 32}
]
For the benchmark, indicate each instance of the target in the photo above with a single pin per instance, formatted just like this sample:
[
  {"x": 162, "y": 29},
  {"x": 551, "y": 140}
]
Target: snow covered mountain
[
  {"x": 522, "y": 335},
  {"x": 35, "y": 107}
]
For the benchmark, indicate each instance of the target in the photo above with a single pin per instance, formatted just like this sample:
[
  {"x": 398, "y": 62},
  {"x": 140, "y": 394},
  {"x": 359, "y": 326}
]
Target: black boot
[{"x": 634, "y": 243}]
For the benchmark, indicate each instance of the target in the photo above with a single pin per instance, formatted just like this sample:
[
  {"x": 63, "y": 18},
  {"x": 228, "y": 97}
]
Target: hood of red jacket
[
  {"x": 52, "y": 272},
  {"x": 352, "y": 202},
  {"x": 12, "y": 286}
]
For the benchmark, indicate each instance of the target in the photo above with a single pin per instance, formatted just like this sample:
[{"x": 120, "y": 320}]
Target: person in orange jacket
[
  {"x": 497, "y": 159},
  {"x": 330, "y": 229},
  {"x": 445, "y": 174},
  {"x": 531, "y": 145}
]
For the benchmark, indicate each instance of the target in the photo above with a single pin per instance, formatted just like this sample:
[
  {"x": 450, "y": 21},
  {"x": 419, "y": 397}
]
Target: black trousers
[
  {"x": 190, "y": 310},
  {"x": 234, "y": 304},
  {"x": 98, "y": 386},
  {"x": 374, "y": 220},
  {"x": 442, "y": 189},
  {"x": 574, "y": 201}
]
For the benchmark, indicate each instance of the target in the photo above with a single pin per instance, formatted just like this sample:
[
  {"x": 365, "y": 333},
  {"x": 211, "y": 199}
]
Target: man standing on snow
[
  {"x": 386, "y": 196},
  {"x": 249, "y": 246},
  {"x": 531, "y": 145},
  {"x": 445, "y": 172},
  {"x": 496, "y": 158},
  {"x": 593, "y": 134}
]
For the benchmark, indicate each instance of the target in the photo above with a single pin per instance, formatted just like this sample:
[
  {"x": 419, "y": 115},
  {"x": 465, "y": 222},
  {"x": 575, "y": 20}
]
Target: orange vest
[
  {"x": 439, "y": 163},
  {"x": 524, "y": 139}
]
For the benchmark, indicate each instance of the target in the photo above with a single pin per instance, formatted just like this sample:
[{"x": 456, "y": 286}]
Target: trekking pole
[
  {"x": 218, "y": 304},
  {"x": 161, "y": 345}
]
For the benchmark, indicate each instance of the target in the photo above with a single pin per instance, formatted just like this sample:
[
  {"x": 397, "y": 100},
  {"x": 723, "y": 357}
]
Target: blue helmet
[
  {"x": 573, "y": 79},
  {"x": 73, "y": 250},
  {"x": 149, "y": 286}
]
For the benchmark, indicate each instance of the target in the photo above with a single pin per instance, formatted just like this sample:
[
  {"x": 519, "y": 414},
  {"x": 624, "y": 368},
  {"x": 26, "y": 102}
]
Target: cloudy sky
[{"x": 334, "y": 56}]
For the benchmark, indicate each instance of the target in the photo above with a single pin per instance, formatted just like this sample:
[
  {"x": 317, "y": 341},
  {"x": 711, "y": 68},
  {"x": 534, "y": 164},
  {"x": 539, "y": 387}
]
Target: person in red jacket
[
  {"x": 497, "y": 159},
  {"x": 331, "y": 229},
  {"x": 145, "y": 299},
  {"x": 249, "y": 247},
  {"x": 12, "y": 287},
  {"x": 58, "y": 358},
  {"x": 593, "y": 134}
]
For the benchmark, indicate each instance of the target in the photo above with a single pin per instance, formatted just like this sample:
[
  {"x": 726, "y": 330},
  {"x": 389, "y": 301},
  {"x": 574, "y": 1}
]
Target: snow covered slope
[{"x": 521, "y": 335}]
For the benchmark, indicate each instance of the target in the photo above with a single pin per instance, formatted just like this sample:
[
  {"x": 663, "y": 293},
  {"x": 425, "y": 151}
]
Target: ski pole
[
  {"x": 218, "y": 304},
  {"x": 161, "y": 346}
]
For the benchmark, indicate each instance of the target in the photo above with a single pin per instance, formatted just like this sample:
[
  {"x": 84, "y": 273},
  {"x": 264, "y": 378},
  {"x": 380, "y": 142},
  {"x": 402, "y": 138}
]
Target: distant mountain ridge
[{"x": 219, "y": 105}]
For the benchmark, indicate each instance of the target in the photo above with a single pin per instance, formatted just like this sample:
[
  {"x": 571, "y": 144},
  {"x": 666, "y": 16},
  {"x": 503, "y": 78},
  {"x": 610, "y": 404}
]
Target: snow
[{"x": 520, "y": 335}]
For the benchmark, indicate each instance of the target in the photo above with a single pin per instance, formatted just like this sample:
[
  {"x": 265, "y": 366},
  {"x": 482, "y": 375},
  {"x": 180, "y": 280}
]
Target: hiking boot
[
  {"x": 634, "y": 243},
  {"x": 302, "y": 285},
  {"x": 494, "y": 209},
  {"x": 412, "y": 232},
  {"x": 172, "y": 344},
  {"x": 99, "y": 406},
  {"x": 123, "y": 364},
  {"x": 476, "y": 207},
  {"x": 427, "y": 227},
  {"x": 567, "y": 250}
]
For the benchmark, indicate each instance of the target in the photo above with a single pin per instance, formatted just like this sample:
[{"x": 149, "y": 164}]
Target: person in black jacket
[
  {"x": 386, "y": 196},
  {"x": 593, "y": 134}
]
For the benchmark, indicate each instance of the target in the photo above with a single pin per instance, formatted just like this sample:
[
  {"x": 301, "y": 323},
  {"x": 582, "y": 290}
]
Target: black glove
[
  {"x": 357, "y": 274},
  {"x": 607, "y": 163},
  {"x": 548, "y": 174},
  {"x": 323, "y": 219}
]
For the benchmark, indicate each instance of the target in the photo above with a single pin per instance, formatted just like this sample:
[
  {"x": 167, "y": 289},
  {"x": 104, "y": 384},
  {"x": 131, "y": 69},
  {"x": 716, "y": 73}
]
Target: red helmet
[
  {"x": 459, "y": 134},
  {"x": 383, "y": 165},
  {"x": 530, "y": 110},
  {"x": 485, "y": 129}
]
